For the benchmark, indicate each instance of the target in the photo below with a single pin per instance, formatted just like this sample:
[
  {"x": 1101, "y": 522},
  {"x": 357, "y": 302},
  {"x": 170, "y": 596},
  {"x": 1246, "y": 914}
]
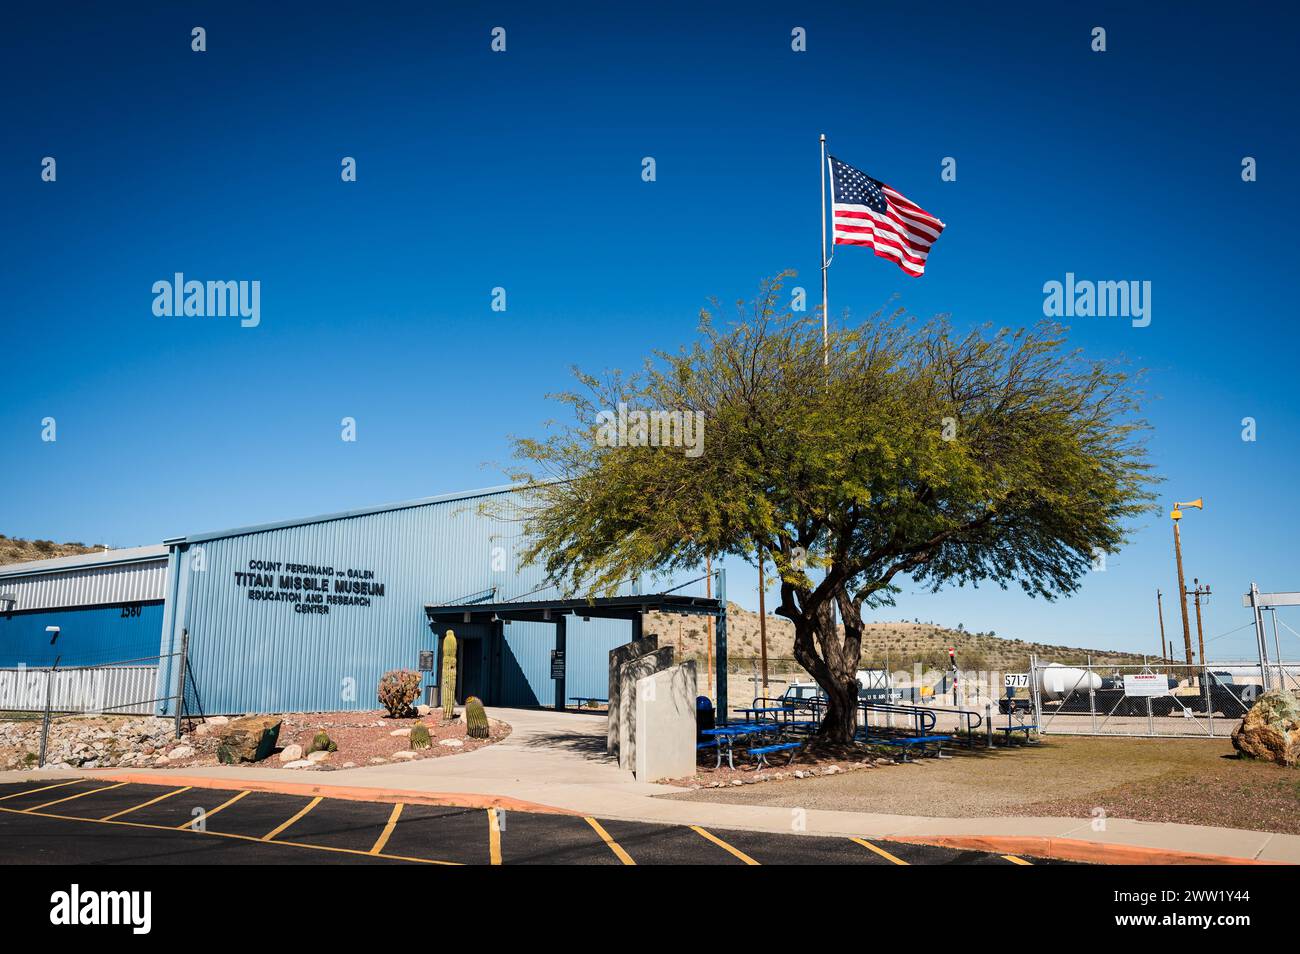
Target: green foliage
[
  {"x": 398, "y": 689},
  {"x": 321, "y": 742},
  {"x": 946, "y": 457},
  {"x": 448, "y": 683},
  {"x": 476, "y": 721},
  {"x": 420, "y": 738}
]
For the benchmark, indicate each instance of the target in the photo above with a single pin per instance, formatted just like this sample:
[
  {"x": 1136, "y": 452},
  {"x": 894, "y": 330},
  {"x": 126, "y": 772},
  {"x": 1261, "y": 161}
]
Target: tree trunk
[
  {"x": 835, "y": 669},
  {"x": 841, "y": 721}
]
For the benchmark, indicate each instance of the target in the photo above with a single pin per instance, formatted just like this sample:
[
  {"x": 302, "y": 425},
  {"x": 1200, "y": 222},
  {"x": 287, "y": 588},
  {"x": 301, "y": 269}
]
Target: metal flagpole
[{"x": 826, "y": 358}]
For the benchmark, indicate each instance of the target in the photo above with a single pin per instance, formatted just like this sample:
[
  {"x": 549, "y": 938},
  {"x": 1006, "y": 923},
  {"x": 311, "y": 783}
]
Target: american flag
[{"x": 868, "y": 212}]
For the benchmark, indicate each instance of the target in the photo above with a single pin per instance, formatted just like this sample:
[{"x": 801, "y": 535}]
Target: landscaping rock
[
  {"x": 401, "y": 733},
  {"x": 404, "y": 754},
  {"x": 318, "y": 756},
  {"x": 291, "y": 753},
  {"x": 180, "y": 752},
  {"x": 451, "y": 743},
  {"x": 248, "y": 740},
  {"x": 300, "y": 764},
  {"x": 1271, "y": 729}
]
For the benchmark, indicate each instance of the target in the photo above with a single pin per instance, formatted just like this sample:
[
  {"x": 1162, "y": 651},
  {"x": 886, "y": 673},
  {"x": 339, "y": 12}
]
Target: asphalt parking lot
[{"x": 92, "y": 821}]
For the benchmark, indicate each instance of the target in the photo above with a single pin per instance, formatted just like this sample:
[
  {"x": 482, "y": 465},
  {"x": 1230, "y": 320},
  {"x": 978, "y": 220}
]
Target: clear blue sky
[{"x": 522, "y": 170}]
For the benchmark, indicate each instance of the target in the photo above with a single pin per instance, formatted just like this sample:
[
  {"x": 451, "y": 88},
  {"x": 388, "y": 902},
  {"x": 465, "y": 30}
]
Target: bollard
[{"x": 988, "y": 722}]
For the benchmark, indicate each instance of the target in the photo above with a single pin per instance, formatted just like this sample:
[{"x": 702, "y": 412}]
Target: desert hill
[
  {"x": 900, "y": 643},
  {"x": 17, "y": 550}
]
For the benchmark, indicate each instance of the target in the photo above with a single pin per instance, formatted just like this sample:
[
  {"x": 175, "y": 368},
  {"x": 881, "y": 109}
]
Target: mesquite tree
[{"x": 910, "y": 451}]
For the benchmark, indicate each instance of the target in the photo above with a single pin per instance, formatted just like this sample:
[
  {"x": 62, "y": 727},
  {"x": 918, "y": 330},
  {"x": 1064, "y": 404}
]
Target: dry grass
[{"x": 1193, "y": 781}]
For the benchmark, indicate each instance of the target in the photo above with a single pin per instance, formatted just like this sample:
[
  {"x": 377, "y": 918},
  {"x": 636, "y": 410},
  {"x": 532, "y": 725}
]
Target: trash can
[{"x": 704, "y": 718}]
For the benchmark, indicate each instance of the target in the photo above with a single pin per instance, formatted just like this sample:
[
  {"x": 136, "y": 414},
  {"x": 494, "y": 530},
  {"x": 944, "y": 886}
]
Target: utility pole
[
  {"x": 1177, "y": 514},
  {"x": 1160, "y": 612},
  {"x": 762, "y": 617},
  {"x": 708, "y": 592},
  {"x": 1197, "y": 593}
]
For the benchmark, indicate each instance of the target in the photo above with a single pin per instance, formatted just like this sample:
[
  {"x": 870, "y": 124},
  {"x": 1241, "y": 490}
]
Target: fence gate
[{"x": 1156, "y": 700}]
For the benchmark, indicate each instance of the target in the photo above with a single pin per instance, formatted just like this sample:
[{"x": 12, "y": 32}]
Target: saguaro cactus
[
  {"x": 476, "y": 722},
  {"x": 449, "y": 677}
]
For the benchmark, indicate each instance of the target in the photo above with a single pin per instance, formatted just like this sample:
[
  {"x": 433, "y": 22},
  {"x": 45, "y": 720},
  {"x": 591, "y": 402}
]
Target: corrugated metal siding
[
  {"x": 263, "y": 656},
  {"x": 92, "y": 586},
  {"x": 88, "y": 637},
  {"x": 115, "y": 690}
]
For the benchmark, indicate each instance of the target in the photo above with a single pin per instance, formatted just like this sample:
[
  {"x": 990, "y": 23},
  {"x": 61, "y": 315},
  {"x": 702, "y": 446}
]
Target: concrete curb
[
  {"x": 1077, "y": 849},
  {"x": 351, "y": 793}
]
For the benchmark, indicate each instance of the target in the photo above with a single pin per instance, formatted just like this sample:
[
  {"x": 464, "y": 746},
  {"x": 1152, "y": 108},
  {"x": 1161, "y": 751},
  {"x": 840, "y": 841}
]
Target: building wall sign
[{"x": 312, "y": 588}]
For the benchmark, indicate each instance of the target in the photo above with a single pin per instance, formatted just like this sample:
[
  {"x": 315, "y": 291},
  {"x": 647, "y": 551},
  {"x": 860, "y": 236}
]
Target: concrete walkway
[{"x": 558, "y": 760}]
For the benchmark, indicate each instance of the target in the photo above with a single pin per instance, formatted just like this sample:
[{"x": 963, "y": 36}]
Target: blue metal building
[
  {"x": 108, "y": 607},
  {"x": 306, "y": 615}
]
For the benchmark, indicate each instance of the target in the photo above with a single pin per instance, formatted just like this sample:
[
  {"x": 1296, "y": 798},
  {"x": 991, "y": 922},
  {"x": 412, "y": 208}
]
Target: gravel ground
[
  {"x": 1197, "y": 782},
  {"x": 363, "y": 738}
]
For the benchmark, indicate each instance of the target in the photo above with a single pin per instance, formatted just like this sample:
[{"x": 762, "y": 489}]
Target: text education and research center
[{"x": 306, "y": 615}]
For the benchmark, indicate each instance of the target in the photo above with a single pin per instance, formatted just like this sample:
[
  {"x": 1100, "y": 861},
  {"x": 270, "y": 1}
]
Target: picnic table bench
[
  {"x": 907, "y": 742},
  {"x": 761, "y": 753},
  {"x": 1026, "y": 728}
]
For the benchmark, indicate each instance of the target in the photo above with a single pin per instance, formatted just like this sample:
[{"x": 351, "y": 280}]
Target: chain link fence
[
  {"x": 147, "y": 686},
  {"x": 1156, "y": 700}
]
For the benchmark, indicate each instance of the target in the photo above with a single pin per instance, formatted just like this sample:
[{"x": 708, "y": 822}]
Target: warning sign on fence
[{"x": 1146, "y": 684}]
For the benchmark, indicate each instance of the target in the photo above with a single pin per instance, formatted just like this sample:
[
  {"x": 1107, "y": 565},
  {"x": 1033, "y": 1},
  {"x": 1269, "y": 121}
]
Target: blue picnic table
[
  {"x": 753, "y": 713},
  {"x": 725, "y": 736}
]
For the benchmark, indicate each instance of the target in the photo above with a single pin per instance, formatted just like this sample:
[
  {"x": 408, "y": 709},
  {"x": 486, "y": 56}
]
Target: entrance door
[{"x": 470, "y": 667}]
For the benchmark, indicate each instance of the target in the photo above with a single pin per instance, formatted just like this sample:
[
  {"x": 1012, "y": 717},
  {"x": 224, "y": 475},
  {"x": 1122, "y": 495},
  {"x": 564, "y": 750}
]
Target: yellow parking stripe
[
  {"x": 228, "y": 834},
  {"x": 43, "y": 788},
  {"x": 206, "y": 815},
  {"x": 1017, "y": 861},
  {"x": 388, "y": 830},
  {"x": 305, "y": 809},
  {"x": 880, "y": 851},
  {"x": 722, "y": 844},
  {"x": 494, "y": 837},
  {"x": 614, "y": 846},
  {"x": 58, "y": 801},
  {"x": 152, "y": 801}
]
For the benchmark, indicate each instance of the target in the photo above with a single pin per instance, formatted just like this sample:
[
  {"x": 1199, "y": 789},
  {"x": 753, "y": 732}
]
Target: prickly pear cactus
[
  {"x": 420, "y": 736},
  {"x": 449, "y": 677},
  {"x": 476, "y": 722}
]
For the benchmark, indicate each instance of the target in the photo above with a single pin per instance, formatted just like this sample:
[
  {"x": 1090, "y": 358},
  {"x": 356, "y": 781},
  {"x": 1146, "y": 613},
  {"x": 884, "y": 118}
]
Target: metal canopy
[
  {"x": 557, "y": 612},
  {"x": 549, "y": 611}
]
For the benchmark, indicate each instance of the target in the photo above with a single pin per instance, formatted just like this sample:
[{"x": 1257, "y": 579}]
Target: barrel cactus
[
  {"x": 420, "y": 736},
  {"x": 449, "y": 677},
  {"x": 476, "y": 721},
  {"x": 321, "y": 742}
]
